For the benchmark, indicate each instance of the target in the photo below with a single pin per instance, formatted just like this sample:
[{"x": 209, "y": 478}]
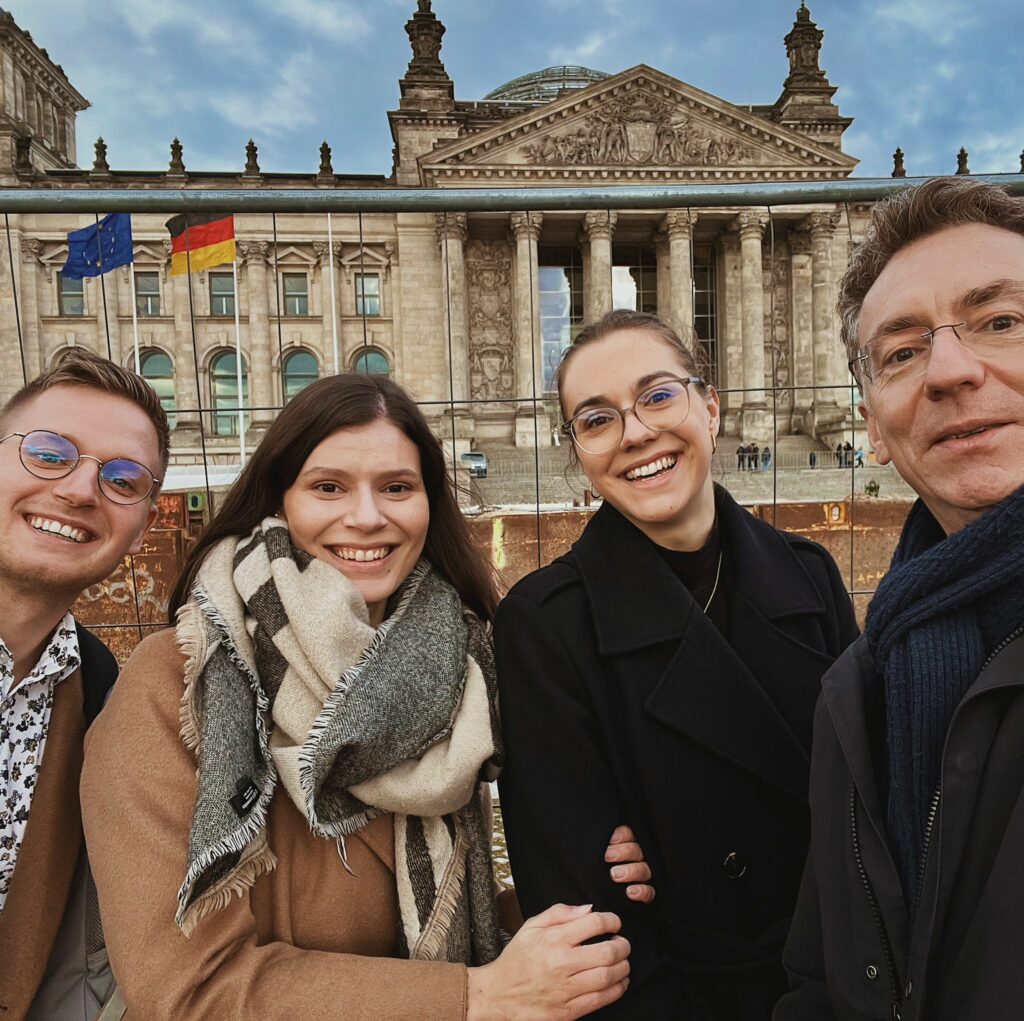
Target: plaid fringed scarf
[{"x": 285, "y": 678}]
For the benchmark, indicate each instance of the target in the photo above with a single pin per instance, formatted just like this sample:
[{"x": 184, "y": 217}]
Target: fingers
[
  {"x": 633, "y": 872},
  {"x": 580, "y": 1006},
  {"x": 622, "y": 835},
  {"x": 595, "y": 979},
  {"x": 641, "y": 893},
  {"x": 626, "y": 850},
  {"x": 595, "y": 956},
  {"x": 557, "y": 914},
  {"x": 597, "y": 923}
]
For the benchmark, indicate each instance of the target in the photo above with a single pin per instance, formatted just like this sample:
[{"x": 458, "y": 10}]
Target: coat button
[
  {"x": 734, "y": 865},
  {"x": 871, "y": 971}
]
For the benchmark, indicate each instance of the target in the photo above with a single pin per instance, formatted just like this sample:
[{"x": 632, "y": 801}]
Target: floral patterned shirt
[{"x": 24, "y": 722}]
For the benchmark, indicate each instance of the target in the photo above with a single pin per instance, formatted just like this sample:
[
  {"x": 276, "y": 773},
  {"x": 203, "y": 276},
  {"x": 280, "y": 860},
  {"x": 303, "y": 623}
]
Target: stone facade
[{"x": 459, "y": 307}]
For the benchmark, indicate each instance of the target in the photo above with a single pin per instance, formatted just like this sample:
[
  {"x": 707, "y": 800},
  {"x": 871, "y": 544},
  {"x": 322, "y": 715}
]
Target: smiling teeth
[
  {"x": 56, "y": 528},
  {"x": 362, "y": 555},
  {"x": 653, "y": 468}
]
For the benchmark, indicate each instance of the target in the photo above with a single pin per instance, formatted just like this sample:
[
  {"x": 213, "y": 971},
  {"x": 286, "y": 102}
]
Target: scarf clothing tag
[{"x": 246, "y": 793}]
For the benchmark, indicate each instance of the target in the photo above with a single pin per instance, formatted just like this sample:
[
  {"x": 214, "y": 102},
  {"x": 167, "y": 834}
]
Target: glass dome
[{"x": 543, "y": 86}]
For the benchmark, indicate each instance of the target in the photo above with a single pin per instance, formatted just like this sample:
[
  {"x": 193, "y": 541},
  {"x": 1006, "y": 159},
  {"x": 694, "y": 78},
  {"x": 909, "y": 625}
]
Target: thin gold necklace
[{"x": 718, "y": 574}]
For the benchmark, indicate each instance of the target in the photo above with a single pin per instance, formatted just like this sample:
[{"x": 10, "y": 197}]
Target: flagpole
[
  {"x": 135, "y": 320},
  {"x": 238, "y": 369},
  {"x": 103, "y": 286},
  {"x": 334, "y": 298}
]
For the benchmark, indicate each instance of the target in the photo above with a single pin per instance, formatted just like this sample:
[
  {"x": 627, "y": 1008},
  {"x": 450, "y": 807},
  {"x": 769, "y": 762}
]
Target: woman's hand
[
  {"x": 629, "y": 865},
  {"x": 548, "y": 972}
]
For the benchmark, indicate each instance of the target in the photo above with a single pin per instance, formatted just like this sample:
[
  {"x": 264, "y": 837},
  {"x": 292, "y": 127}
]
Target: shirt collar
[{"x": 59, "y": 659}]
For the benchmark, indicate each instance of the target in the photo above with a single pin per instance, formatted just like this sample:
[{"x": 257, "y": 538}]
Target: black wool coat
[
  {"x": 622, "y": 703},
  {"x": 854, "y": 952}
]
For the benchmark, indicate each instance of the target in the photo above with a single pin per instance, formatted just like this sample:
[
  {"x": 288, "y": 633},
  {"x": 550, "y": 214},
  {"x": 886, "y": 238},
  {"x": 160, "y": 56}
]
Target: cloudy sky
[{"x": 928, "y": 75}]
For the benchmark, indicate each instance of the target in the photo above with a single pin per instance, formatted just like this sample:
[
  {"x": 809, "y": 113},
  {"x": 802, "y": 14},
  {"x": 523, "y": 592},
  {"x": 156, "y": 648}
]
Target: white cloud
[
  {"x": 940, "y": 21},
  {"x": 330, "y": 19},
  {"x": 583, "y": 51},
  {"x": 285, "y": 103}
]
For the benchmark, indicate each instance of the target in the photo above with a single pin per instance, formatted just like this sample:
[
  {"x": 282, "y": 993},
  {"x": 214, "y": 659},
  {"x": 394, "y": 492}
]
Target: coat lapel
[
  {"x": 46, "y": 862},
  {"x": 707, "y": 691}
]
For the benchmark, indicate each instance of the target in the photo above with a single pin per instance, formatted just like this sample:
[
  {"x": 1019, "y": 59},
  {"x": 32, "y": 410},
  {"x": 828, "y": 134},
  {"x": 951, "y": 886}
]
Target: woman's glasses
[
  {"x": 49, "y": 455},
  {"x": 660, "y": 407}
]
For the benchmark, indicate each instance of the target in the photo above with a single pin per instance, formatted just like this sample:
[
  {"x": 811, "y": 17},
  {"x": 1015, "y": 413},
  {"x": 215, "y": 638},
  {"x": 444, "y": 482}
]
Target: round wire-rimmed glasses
[
  {"x": 48, "y": 455},
  {"x": 660, "y": 407}
]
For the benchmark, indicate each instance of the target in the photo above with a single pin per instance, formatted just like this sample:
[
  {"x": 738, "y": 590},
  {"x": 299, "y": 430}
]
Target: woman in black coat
[{"x": 664, "y": 672}]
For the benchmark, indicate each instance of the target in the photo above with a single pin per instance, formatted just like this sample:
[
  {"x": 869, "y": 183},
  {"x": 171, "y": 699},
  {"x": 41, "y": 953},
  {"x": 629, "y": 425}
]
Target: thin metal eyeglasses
[
  {"x": 904, "y": 355},
  {"x": 48, "y": 455},
  {"x": 660, "y": 407}
]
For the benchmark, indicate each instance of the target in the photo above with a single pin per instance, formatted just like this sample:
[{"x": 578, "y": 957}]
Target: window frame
[
  {"x": 286, "y": 297},
  {"x": 290, "y": 356},
  {"x": 232, "y": 297},
  {"x": 144, "y": 301},
  {"x": 362, "y": 298},
  {"x": 62, "y": 310},
  {"x": 216, "y": 415}
]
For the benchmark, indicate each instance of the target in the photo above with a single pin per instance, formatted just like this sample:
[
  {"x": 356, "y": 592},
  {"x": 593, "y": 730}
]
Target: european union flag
[{"x": 100, "y": 248}]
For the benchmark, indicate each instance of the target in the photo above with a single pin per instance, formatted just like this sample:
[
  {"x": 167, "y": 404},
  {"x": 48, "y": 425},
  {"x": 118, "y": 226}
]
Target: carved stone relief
[
  {"x": 777, "y": 343},
  {"x": 491, "y": 352},
  {"x": 640, "y": 129}
]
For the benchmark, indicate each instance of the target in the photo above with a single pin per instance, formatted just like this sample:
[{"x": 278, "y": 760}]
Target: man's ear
[
  {"x": 877, "y": 443},
  {"x": 136, "y": 545}
]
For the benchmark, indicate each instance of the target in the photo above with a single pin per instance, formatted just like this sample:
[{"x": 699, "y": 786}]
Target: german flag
[{"x": 200, "y": 241}]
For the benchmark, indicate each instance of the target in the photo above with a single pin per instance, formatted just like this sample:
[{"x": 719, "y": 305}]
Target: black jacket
[
  {"x": 853, "y": 953},
  {"x": 622, "y": 703}
]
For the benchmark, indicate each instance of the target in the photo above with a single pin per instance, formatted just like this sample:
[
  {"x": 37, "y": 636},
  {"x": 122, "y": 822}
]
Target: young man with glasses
[
  {"x": 83, "y": 449},
  {"x": 913, "y": 895}
]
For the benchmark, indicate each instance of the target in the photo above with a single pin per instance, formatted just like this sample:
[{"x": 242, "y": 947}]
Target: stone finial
[
  {"x": 177, "y": 164},
  {"x": 425, "y": 32},
  {"x": 252, "y": 166},
  {"x": 961, "y": 163},
  {"x": 898, "y": 169},
  {"x": 803, "y": 46},
  {"x": 99, "y": 164},
  {"x": 326, "y": 169}
]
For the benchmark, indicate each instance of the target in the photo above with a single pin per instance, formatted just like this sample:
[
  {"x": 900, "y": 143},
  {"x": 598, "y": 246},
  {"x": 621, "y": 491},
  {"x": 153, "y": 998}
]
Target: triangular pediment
[{"x": 635, "y": 125}]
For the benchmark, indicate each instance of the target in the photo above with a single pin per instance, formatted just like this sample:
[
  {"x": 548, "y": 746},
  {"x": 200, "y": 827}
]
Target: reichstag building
[{"x": 472, "y": 309}]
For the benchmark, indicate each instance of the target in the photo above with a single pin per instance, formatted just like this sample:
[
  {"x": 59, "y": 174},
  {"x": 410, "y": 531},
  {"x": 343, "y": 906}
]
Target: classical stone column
[
  {"x": 186, "y": 388},
  {"x": 529, "y": 371},
  {"x": 31, "y": 249},
  {"x": 731, "y": 339},
  {"x": 451, "y": 230},
  {"x": 801, "y": 319},
  {"x": 821, "y": 227},
  {"x": 756, "y": 425},
  {"x": 678, "y": 225},
  {"x": 331, "y": 316},
  {"x": 598, "y": 228},
  {"x": 532, "y": 424},
  {"x": 261, "y": 379}
]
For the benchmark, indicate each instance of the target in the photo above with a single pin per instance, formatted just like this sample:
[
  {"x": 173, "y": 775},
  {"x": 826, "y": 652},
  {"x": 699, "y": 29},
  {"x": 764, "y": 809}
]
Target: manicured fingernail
[
  {"x": 611, "y": 855},
  {"x": 582, "y": 909},
  {"x": 618, "y": 871},
  {"x": 633, "y": 891}
]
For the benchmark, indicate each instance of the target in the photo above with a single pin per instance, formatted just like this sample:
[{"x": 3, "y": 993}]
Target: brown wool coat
[
  {"x": 35, "y": 904},
  {"x": 308, "y": 941}
]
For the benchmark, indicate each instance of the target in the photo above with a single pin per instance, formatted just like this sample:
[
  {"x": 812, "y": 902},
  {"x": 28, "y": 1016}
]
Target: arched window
[
  {"x": 158, "y": 371},
  {"x": 300, "y": 369},
  {"x": 372, "y": 362},
  {"x": 224, "y": 393}
]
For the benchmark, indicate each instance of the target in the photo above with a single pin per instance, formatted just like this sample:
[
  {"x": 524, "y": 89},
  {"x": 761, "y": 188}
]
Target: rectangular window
[
  {"x": 634, "y": 278},
  {"x": 222, "y": 294},
  {"x": 367, "y": 294},
  {"x": 70, "y": 296},
  {"x": 560, "y": 292},
  {"x": 705, "y": 312},
  {"x": 147, "y": 293},
  {"x": 296, "y": 294}
]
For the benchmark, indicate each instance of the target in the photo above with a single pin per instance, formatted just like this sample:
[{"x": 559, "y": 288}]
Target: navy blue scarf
[{"x": 945, "y": 604}]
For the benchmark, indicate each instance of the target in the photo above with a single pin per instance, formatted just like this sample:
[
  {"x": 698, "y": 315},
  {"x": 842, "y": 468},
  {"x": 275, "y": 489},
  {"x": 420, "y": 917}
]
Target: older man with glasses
[
  {"x": 83, "y": 449},
  {"x": 913, "y": 896}
]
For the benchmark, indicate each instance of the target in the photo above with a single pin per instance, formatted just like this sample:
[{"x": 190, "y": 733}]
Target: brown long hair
[{"x": 330, "y": 404}]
